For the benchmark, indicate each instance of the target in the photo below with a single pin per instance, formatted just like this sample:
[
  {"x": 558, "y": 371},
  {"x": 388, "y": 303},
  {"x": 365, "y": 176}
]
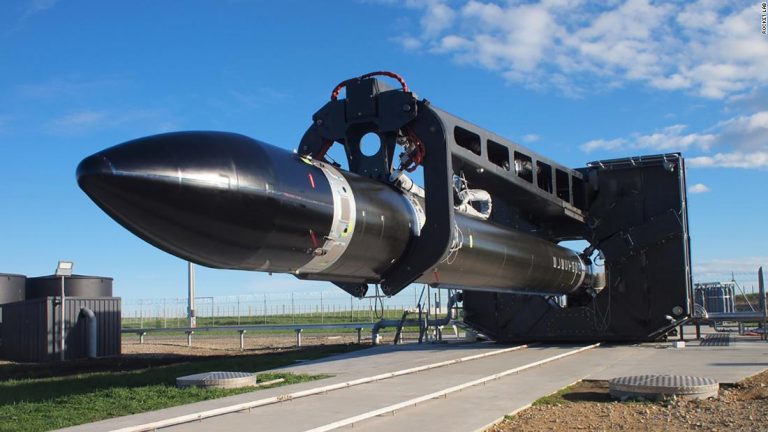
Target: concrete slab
[
  {"x": 344, "y": 367},
  {"x": 743, "y": 358},
  {"x": 470, "y": 409},
  {"x": 307, "y": 413},
  {"x": 477, "y": 408}
]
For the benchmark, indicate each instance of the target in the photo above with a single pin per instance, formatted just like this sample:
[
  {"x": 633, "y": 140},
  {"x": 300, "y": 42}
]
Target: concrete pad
[
  {"x": 725, "y": 364},
  {"x": 477, "y": 408},
  {"x": 471, "y": 409},
  {"x": 307, "y": 413},
  {"x": 344, "y": 367}
]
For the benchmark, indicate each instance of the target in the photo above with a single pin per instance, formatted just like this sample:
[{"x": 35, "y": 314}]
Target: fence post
[
  {"x": 189, "y": 337},
  {"x": 242, "y": 339},
  {"x": 298, "y": 337}
]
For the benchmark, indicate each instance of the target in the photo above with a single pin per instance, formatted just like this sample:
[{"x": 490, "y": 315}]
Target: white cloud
[
  {"x": 698, "y": 188},
  {"x": 69, "y": 87},
  {"x": 88, "y": 121},
  {"x": 742, "y": 140},
  {"x": 78, "y": 121},
  {"x": 724, "y": 266},
  {"x": 437, "y": 18},
  {"x": 601, "y": 144},
  {"x": 530, "y": 138},
  {"x": 710, "y": 48},
  {"x": 259, "y": 97},
  {"x": 32, "y": 8},
  {"x": 410, "y": 43},
  {"x": 746, "y": 132},
  {"x": 670, "y": 138},
  {"x": 731, "y": 160}
]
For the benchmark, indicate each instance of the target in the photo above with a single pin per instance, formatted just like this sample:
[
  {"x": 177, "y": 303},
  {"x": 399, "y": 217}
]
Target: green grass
[
  {"x": 49, "y": 403},
  {"x": 555, "y": 398},
  {"x": 338, "y": 317}
]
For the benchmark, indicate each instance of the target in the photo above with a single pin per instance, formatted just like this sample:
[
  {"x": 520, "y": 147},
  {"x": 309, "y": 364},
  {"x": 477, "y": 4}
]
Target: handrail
[{"x": 251, "y": 327}]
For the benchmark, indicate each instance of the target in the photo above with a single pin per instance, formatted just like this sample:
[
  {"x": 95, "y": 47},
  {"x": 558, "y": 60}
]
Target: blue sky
[{"x": 573, "y": 80}]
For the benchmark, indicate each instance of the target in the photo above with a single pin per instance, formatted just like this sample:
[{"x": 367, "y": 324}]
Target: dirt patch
[
  {"x": 216, "y": 345},
  {"x": 587, "y": 406}
]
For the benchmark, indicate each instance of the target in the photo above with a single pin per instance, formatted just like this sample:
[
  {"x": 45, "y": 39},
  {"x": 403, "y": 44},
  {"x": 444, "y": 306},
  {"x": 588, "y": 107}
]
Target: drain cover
[
  {"x": 655, "y": 387},
  {"x": 217, "y": 380}
]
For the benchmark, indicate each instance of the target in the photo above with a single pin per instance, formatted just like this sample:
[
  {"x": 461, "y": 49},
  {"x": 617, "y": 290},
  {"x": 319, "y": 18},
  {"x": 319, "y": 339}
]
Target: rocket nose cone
[
  {"x": 218, "y": 199},
  {"x": 91, "y": 168}
]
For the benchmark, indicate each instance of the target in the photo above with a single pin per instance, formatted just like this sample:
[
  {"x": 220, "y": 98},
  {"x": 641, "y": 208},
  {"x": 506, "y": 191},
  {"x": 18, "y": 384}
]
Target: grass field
[
  {"x": 45, "y": 403},
  {"x": 326, "y": 317}
]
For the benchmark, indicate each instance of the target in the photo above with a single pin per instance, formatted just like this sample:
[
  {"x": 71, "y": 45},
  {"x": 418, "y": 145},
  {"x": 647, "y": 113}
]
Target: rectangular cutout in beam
[
  {"x": 563, "y": 185},
  {"x": 579, "y": 194},
  {"x": 524, "y": 167},
  {"x": 544, "y": 176},
  {"x": 468, "y": 140},
  {"x": 498, "y": 154}
]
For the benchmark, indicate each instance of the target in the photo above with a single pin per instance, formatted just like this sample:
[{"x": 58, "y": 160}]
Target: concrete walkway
[{"x": 472, "y": 409}]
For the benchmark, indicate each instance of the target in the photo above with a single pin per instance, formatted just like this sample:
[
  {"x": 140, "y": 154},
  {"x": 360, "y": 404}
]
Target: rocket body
[{"x": 227, "y": 201}]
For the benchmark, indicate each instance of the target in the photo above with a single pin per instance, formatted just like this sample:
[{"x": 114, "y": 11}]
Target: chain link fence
[{"x": 284, "y": 308}]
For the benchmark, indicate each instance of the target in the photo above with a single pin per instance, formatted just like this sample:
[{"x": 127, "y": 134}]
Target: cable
[
  {"x": 418, "y": 154},
  {"x": 378, "y": 313},
  {"x": 456, "y": 244},
  {"x": 341, "y": 85}
]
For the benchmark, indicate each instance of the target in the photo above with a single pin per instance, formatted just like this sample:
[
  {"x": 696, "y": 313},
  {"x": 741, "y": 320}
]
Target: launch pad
[{"x": 462, "y": 386}]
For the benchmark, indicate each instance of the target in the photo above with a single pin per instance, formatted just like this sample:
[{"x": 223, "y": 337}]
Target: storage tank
[
  {"x": 74, "y": 286},
  {"x": 12, "y": 288}
]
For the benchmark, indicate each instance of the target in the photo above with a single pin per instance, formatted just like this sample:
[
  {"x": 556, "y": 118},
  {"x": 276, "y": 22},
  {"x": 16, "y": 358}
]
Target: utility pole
[{"x": 191, "y": 295}]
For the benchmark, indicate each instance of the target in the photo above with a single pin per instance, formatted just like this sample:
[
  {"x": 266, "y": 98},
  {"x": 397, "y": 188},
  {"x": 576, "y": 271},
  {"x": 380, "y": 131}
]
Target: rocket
[
  {"x": 487, "y": 216},
  {"x": 224, "y": 200}
]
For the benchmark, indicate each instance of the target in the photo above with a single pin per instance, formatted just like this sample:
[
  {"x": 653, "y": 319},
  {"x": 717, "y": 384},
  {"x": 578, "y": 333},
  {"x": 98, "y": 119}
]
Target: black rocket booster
[{"x": 228, "y": 201}]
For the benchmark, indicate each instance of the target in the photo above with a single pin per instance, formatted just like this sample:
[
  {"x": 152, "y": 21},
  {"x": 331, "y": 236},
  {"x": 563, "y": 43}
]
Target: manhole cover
[
  {"x": 217, "y": 380},
  {"x": 655, "y": 387}
]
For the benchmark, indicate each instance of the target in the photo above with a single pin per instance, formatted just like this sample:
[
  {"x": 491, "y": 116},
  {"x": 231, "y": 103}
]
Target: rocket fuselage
[{"x": 227, "y": 201}]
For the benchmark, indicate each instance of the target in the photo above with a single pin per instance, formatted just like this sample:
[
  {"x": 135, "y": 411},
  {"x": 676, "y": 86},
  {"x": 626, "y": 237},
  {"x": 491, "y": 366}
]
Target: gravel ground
[
  {"x": 587, "y": 406},
  {"x": 216, "y": 345}
]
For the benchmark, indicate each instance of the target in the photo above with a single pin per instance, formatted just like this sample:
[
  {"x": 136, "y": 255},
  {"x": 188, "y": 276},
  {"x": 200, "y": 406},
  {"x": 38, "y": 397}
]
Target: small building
[
  {"x": 12, "y": 289},
  {"x": 30, "y": 329}
]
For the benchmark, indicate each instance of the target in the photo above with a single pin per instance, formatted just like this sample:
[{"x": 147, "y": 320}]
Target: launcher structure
[
  {"x": 488, "y": 220},
  {"x": 631, "y": 211}
]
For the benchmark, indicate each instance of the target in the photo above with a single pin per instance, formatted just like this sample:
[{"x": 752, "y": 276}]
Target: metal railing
[{"x": 241, "y": 330}]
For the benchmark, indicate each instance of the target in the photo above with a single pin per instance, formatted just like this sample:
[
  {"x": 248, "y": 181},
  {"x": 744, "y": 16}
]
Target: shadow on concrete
[
  {"x": 589, "y": 391},
  {"x": 740, "y": 364}
]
